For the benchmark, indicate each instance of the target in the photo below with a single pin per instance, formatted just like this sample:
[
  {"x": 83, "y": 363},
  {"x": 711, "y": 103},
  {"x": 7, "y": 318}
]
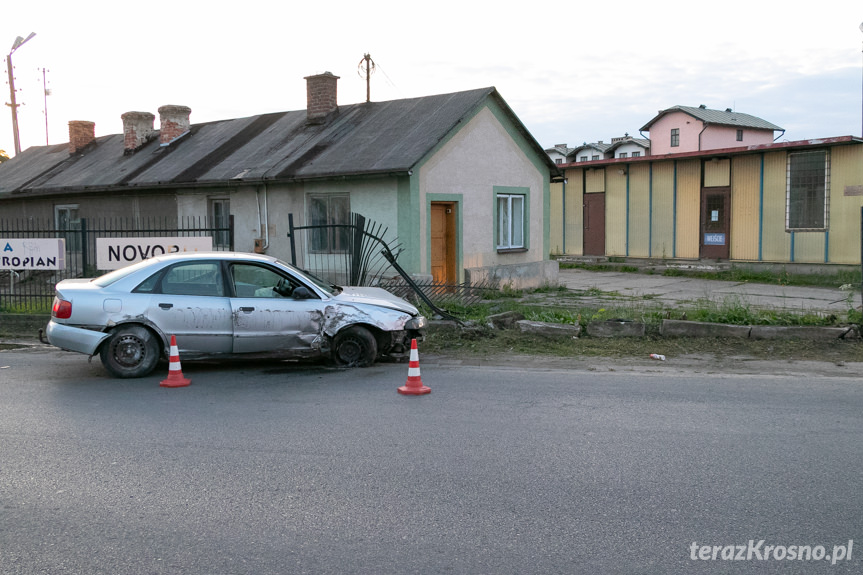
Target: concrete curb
[
  {"x": 679, "y": 328},
  {"x": 671, "y": 328},
  {"x": 615, "y": 328},
  {"x": 795, "y": 332},
  {"x": 553, "y": 329},
  {"x": 682, "y": 328}
]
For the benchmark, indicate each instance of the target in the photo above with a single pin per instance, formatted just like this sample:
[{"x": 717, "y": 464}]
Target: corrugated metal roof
[
  {"x": 359, "y": 139},
  {"x": 722, "y": 117}
]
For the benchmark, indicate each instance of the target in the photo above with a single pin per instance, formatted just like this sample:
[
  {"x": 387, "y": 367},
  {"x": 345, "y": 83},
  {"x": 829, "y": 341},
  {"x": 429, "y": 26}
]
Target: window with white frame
[
  {"x": 807, "y": 190},
  {"x": 622, "y": 155},
  {"x": 329, "y": 211},
  {"x": 636, "y": 154},
  {"x": 510, "y": 221}
]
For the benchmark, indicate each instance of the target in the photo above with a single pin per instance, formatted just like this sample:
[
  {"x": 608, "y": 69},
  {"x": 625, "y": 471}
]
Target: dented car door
[{"x": 267, "y": 317}]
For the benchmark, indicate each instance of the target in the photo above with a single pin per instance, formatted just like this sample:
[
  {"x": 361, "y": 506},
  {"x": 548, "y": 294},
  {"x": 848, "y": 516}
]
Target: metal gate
[{"x": 364, "y": 253}]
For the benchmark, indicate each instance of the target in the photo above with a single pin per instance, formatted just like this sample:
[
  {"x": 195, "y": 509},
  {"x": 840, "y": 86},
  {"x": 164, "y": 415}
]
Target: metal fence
[
  {"x": 364, "y": 253},
  {"x": 33, "y": 290}
]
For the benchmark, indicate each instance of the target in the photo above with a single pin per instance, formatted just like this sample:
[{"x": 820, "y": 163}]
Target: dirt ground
[{"x": 509, "y": 348}]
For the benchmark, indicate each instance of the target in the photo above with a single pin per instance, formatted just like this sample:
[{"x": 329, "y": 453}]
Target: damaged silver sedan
[{"x": 225, "y": 304}]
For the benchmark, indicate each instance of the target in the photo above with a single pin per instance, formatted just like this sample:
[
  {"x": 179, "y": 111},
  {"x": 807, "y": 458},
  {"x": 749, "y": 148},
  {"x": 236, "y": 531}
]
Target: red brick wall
[{"x": 321, "y": 95}]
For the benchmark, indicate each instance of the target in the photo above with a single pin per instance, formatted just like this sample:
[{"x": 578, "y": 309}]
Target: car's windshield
[{"x": 117, "y": 275}]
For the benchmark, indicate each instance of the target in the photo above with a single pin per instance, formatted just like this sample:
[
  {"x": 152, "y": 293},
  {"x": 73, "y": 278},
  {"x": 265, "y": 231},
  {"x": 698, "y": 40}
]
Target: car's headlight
[{"x": 418, "y": 322}]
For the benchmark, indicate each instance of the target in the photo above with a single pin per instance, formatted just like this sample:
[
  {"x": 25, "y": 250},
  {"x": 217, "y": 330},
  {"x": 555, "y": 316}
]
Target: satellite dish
[{"x": 861, "y": 26}]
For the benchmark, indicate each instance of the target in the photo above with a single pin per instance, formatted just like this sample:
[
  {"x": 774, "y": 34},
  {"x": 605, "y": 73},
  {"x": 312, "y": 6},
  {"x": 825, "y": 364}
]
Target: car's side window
[
  {"x": 257, "y": 281},
  {"x": 194, "y": 278}
]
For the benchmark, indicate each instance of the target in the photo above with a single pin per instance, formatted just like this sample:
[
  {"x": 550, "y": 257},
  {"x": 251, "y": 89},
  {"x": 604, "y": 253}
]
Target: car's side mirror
[{"x": 301, "y": 292}]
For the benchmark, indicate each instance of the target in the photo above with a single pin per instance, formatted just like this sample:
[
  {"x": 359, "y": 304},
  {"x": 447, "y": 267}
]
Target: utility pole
[
  {"x": 47, "y": 93},
  {"x": 19, "y": 41}
]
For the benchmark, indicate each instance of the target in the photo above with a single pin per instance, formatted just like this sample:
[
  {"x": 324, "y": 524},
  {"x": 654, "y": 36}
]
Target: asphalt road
[{"x": 266, "y": 468}]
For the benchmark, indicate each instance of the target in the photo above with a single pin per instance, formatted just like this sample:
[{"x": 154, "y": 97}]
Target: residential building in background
[
  {"x": 628, "y": 147},
  {"x": 681, "y": 129}
]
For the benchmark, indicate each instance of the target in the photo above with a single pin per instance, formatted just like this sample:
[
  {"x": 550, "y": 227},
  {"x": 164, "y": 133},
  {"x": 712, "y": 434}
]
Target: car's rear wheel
[
  {"x": 355, "y": 346},
  {"x": 131, "y": 351}
]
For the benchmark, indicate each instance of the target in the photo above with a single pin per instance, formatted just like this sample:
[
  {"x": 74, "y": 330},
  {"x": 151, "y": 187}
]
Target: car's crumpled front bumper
[{"x": 74, "y": 338}]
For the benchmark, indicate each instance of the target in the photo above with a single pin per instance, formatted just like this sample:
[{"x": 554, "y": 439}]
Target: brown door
[
  {"x": 715, "y": 223},
  {"x": 443, "y": 242},
  {"x": 594, "y": 224}
]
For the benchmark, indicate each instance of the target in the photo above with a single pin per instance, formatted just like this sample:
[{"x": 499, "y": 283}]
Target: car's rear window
[{"x": 117, "y": 275}]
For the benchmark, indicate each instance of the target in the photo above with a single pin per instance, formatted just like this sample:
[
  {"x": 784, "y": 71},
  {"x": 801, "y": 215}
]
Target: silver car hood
[{"x": 375, "y": 296}]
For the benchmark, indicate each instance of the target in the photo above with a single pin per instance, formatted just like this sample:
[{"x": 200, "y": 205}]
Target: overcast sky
[{"x": 572, "y": 72}]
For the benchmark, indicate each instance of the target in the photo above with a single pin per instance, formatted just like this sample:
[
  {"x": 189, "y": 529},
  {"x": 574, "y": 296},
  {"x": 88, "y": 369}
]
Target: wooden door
[
  {"x": 443, "y": 240},
  {"x": 715, "y": 223},
  {"x": 594, "y": 224}
]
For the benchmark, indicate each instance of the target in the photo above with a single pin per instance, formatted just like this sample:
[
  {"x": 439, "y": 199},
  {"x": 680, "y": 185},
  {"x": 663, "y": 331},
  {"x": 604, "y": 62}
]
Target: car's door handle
[
  {"x": 166, "y": 305},
  {"x": 247, "y": 309}
]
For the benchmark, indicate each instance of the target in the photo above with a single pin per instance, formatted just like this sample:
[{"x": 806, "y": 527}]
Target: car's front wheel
[
  {"x": 131, "y": 351},
  {"x": 355, "y": 346}
]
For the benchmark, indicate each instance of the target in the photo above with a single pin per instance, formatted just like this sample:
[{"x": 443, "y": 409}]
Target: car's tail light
[{"x": 62, "y": 309}]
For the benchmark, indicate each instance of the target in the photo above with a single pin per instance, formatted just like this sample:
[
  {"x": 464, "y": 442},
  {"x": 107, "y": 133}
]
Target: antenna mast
[{"x": 367, "y": 74}]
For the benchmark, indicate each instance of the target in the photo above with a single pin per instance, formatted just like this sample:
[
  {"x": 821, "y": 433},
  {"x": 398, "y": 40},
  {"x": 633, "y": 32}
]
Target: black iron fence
[{"x": 33, "y": 290}]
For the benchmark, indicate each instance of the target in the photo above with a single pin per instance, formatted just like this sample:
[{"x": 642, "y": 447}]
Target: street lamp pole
[{"x": 19, "y": 41}]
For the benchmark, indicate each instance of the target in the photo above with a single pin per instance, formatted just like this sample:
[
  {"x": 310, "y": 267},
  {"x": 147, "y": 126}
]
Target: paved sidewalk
[{"x": 671, "y": 291}]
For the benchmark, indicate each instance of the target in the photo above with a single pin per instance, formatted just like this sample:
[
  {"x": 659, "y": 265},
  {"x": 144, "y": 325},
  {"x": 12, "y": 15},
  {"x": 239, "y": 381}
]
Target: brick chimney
[
  {"x": 137, "y": 130},
  {"x": 321, "y": 96},
  {"x": 81, "y": 135},
  {"x": 174, "y": 121}
]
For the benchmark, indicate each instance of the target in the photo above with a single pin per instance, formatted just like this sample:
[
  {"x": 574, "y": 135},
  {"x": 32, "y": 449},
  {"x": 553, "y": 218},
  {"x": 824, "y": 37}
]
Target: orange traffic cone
[
  {"x": 175, "y": 374},
  {"x": 414, "y": 385}
]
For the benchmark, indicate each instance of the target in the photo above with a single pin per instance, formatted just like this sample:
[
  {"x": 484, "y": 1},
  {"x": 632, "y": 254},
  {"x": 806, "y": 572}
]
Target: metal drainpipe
[
  {"x": 699, "y": 135},
  {"x": 263, "y": 219},
  {"x": 266, "y": 221}
]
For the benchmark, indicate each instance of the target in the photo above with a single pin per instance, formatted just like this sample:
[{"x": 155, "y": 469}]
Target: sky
[{"x": 572, "y": 72}]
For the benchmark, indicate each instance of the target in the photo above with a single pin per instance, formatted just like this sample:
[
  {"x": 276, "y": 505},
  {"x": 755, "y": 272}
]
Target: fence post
[
  {"x": 291, "y": 235},
  {"x": 85, "y": 248},
  {"x": 356, "y": 252}
]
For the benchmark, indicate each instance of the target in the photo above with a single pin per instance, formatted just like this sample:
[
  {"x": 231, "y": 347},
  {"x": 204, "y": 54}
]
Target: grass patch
[
  {"x": 36, "y": 307},
  {"x": 600, "y": 267},
  {"x": 853, "y": 279},
  {"x": 733, "y": 311},
  {"x": 776, "y": 277},
  {"x": 552, "y": 308}
]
